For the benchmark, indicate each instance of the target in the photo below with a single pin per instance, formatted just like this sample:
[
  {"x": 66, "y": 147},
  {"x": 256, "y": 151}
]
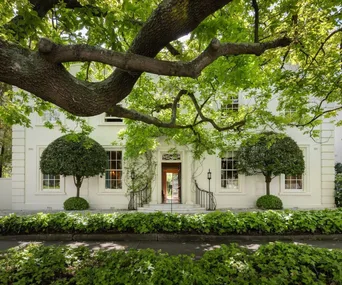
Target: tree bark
[
  {"x": 268, "y": 180},
  {"x": 78, "y": 183},
  {"x": 38, "y": 73}
]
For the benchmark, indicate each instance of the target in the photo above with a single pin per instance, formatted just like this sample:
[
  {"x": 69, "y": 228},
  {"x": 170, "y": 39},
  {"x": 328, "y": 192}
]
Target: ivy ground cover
[
  {"x": 274, "y": 263},
  {"x": 220, "y": 223}
]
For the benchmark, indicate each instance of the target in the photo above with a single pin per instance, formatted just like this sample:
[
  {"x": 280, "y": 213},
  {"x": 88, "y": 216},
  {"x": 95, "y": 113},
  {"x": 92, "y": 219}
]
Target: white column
[
  {"x": 188, "y": 177},
  {"x": 156, "y": 183}
]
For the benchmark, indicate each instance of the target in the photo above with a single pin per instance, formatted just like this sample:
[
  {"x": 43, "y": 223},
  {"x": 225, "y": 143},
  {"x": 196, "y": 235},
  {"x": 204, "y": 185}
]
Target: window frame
[
  {"x": 40, "y": 186},
  {"x": 305, "y": 181},
  {"x": 234, "y": 106},
  {"x": 102, "y": 179},
  {"x": 40, "y": 121},
  {"x": 240, "y": 180},
  {"x": 108, "y": 119}
]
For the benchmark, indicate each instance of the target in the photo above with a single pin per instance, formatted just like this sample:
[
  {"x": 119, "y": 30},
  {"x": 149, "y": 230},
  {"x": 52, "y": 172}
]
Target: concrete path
[{"x": 173, "y": 248}]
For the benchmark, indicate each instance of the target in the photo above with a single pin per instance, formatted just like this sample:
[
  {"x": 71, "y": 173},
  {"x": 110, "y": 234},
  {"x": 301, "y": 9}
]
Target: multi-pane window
[
  {"x": 51, "y": 181},
  {"x": 229, "y": 172},
  {"x": 294, "y": 182},
  {"x": 231, "y": 105},
  {"x": 114, "y": 170}
]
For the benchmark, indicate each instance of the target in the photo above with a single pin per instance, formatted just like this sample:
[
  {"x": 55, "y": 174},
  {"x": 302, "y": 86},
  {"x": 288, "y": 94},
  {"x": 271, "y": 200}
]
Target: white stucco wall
[
  {"x": 252, "y": 187},
  {"x": 26, "y": 181},
  {"x": 38, "y": 138},
  {"x": 6, "y": 193}
]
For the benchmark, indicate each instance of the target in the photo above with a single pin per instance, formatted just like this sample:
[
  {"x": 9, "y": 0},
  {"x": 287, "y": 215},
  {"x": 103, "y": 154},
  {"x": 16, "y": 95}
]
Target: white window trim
[
  {"x": 306, "y": 188},
  {"x": 171, "y": 160},
  {"x": 102, "y": 121},
  {"x": 219, "y": 189},
  {"x": 102, "y": 178},
  {"x": 43, "y": 191},
  {"x": 235, "y": 101}
]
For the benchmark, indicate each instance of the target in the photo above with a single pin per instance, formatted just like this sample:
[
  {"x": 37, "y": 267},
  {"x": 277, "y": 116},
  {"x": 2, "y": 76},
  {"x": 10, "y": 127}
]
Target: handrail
[
  {"x": 138, "y": 198},
  {"x": 205, "y": 198}
]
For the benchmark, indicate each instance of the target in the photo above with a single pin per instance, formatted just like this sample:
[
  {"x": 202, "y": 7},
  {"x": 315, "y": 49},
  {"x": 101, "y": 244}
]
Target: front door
[{"x": 171, "y": 183}]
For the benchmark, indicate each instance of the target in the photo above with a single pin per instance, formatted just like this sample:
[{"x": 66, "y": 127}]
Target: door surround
[{"x": 171, "y": 182}]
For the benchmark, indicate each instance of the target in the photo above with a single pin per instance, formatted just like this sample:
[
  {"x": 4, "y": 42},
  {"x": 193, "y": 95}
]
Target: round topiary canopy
[{"x": 73, "y": 154}]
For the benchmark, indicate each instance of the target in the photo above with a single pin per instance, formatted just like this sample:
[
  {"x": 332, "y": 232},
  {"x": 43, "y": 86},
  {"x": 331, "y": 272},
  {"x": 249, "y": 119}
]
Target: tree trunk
[
  {"x": 2, "y": 156},
  {"x": 268, "y": 180},
  {"x": 78, "y": 183}
]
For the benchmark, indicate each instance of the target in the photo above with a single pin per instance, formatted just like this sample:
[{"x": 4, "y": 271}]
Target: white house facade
[{"x": 175, "y": 173}]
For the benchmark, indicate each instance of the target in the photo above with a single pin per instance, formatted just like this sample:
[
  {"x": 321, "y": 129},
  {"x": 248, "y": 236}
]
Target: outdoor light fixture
[
  {"x": 132, "y": 174},
  {"x": 209, "y": 175}
]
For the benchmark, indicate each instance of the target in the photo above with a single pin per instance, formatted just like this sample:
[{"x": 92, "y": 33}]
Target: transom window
[
  {"x": 229, "y": 172},
  {"x": 294, "y": 182},
  {"x": 51, "y": 181},
  {"x": 114, "y": 170}
]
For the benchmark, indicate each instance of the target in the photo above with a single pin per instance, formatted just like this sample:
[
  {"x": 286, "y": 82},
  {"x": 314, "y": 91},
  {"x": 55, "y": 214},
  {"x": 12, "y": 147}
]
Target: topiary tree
[
  {"x": 270, "y": 154},
  {"x": 76, "y": 155}
]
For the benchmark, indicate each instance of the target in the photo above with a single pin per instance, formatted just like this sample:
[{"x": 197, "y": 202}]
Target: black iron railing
[
  {"x": 205, "y": 198},
  {"x": 138, "y": 198}
]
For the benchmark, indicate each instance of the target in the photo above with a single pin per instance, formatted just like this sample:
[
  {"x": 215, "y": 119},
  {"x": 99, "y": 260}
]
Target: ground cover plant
[
  {"x": 273, "y": 263},
  {"x": 220, "y": 223}
]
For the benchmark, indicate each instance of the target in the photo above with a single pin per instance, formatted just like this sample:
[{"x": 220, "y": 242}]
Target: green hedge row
[
  {"x": 274, "y": 263},
  {"x": 267, "y": 222}
]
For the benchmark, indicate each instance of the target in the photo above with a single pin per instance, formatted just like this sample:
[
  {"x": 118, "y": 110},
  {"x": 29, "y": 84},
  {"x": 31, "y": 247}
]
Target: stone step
[
  {"x": 179, "y": 211},
  {"x": 176, "y": 208}
]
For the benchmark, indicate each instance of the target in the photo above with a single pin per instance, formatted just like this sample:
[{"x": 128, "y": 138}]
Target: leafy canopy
[
  {"x": 76, "y": 155},
  {"x": 288, "y": 50},
  {"x": 270, "y": 154}
]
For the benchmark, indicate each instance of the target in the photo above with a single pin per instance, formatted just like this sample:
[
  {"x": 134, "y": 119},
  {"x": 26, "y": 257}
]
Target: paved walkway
[{"x": 173, "y": 248}]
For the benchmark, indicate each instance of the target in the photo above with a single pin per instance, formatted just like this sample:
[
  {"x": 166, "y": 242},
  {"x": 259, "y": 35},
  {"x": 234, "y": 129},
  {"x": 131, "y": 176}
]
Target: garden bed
[
  {"x": 274, "y": 263},
  {"x": 285, "y": 222}
]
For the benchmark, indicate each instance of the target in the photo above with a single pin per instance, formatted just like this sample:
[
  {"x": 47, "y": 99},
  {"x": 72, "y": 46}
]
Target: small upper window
[
  {"x": 231, "y": 105},
  {"x": 290, "y": 113},
  {"x": 51, "y": 116},
  {"x": 112, "y": 119}
]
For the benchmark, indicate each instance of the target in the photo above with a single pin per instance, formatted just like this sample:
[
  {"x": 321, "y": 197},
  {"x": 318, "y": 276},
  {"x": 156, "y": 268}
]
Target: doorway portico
[{"x": 173, "y": 178}]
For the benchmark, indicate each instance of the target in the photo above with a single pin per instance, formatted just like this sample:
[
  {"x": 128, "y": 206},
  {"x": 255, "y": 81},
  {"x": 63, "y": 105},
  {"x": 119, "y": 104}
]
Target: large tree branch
[
  {"x": 321, "y": 48},
  {"x": 234, "y": 126},
  {"x": 134, "y": 115},
  {"x": 38, "y": 73},
  {"x": 256, "y": 20},
  {"x": 133, "y": 62}
]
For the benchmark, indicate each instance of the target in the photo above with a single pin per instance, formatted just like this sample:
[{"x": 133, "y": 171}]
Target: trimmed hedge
[
  {"x": 274, "y": 263},
  {"x": 221, "y": 223},
  {"x": 269, "y": 202},
  {"x": 75, "y": 203}
]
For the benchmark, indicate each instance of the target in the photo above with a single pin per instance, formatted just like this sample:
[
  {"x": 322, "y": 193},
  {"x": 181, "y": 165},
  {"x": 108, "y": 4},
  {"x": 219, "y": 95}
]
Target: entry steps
[{"x": 176, "y": 208}]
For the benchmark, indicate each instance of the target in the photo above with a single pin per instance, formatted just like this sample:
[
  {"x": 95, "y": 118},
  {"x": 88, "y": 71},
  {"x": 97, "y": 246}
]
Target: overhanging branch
[{"x": 133, "y": 62}]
